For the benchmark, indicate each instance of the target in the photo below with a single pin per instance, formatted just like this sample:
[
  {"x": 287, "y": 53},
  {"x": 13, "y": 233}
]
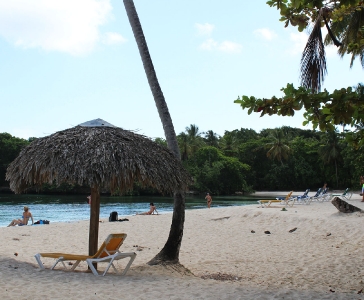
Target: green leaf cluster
[
  {"x": 10, "y": 147},
  {"x": 323, "y": 110}
]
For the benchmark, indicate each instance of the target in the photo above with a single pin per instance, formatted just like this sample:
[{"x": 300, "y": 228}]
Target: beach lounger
[
  {"x": 267, "y": 203},
  {"x": 108, "y": 252},
  {"x": 346, "y": 195},
  {"x": 287, "y": 201},
  {"x": 315, "y": 197},
  {"x": 303, "y": 198},
  {"x": 325, "y": 196}
]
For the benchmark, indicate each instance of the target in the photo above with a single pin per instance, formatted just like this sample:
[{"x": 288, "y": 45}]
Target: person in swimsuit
[
  {"x": 151, "y": 210},
  {"x": 25, "y": 218},
  {"x": 208, "y": 199}
]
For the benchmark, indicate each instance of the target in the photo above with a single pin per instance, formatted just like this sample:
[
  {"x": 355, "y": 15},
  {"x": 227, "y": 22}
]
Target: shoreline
[{"x": 324, "y": 253}]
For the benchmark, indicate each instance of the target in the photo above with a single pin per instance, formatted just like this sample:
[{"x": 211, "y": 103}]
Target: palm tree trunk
[{"x": 170, "y": 251}]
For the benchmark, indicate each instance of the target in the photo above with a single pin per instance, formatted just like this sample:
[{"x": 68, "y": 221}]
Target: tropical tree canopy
[
  {"x": 344, "y": 21},
  {"x": 278, "y": 147},
  {"x": 313, "y": 158},
  {"x": 324, "y": 110}
]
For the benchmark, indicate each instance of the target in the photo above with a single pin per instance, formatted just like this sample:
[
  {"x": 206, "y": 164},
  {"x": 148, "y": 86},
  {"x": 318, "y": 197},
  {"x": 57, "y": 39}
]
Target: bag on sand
[
  {"x": 42, "y": 222},
  {"x": 113, "y": 216}
]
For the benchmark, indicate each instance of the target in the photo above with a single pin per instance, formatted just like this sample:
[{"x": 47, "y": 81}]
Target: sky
[{"x": 67, "y": 62}]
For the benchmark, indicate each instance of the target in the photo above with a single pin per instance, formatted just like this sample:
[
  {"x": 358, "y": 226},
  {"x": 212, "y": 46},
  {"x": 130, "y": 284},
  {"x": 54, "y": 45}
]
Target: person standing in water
[
  {"x": 208, "y": 199},
  {"x": 25, "y": 218}
]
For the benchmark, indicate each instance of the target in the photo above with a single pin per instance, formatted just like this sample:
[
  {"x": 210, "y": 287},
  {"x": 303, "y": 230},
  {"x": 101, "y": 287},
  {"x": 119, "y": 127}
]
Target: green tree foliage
[
  {"x": 229, "y": 143},
  {"x": 278, "y": 147},
  {"x": 323, "y": 110},
  {"x": 304, "y": 166},
  {"x": 194, "y": 138},
  {"x": 217, "y": 173},
  {"x": 190, "y": 141},
  {"x": 314, "y": 157},
  {"x": 330, "y": 151},
  {"x": 343, "y": 20},
  {"x": 211, "y": 138},
  {"x": 10, "y": 147},
  {"x": 161, "y": 141},
  {"x": 252, "y": 153}
]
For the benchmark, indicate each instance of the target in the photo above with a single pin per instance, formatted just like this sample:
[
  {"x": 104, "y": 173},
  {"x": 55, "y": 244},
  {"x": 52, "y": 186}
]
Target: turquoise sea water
[{"x": 60, "y": 208}]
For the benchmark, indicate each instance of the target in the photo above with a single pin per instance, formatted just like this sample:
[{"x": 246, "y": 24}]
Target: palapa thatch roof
[{"x": 97, "y": 154}]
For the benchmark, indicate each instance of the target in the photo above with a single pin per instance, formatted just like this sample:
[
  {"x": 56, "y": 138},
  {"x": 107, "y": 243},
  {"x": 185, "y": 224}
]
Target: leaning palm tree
[
  {"x": 279, "y": 147},
  {"x": 170, "y": 251}
]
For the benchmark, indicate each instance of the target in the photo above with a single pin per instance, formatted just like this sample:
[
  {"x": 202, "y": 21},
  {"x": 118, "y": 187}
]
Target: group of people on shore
[{"x": 152, "y": 210}]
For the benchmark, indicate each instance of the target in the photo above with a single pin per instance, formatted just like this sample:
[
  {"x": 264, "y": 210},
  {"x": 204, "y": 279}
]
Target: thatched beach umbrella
[{"x": 99, "y": 155}]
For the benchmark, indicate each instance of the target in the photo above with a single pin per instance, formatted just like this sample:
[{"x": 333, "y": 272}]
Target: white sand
[{"x": 324, "y": 253}]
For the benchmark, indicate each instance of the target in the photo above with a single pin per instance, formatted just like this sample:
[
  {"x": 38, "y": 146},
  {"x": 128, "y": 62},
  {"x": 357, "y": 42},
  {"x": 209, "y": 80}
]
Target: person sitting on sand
[
  {"x": 208, "y": 199},
  {"x": 151, "y": 210},
  {"x": 25, "y": 218}
]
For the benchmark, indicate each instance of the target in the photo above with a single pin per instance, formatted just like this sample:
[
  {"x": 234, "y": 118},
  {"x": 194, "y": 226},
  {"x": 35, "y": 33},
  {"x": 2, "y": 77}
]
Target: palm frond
[
  {"x": 331, "y": 34},
  {"x": 313, "y": 61},
  {"x": 348, "y": 31}
]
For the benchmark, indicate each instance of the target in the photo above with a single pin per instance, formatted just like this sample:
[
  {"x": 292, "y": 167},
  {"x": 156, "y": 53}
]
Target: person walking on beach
[
  {"x": 151, "y": 211},
  {"x": 25, "y": 218},
  {"x": 208, "y": 199},
  {"x": 89, "y": 200},
  {"x": 362, "y": 187}
]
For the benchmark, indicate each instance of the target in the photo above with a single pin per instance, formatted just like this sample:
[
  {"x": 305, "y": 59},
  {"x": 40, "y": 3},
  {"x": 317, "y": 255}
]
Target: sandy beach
[{"x": 322, "y": 259}]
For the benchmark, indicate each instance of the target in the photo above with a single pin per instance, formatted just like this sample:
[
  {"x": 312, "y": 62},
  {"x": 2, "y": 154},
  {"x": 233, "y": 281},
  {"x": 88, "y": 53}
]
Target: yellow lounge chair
[
  {"x": 108, "y": 252},
  {"x": 287, "y": 201},
  {"x": 267, "y": 203}
]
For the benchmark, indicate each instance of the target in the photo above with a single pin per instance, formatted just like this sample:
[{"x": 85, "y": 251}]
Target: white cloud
[
  {"x": 226, "y": 46},
  {"x": 230, "y": 47},
  {"x": 52, "y": 25},
  {"x": 112, "y": 38},
  {"x": 204, "y": 29},
  {"x": 209, "y": 44},
  {"x": 265, "y": 34},
  {"x": 298, "y": 43}
]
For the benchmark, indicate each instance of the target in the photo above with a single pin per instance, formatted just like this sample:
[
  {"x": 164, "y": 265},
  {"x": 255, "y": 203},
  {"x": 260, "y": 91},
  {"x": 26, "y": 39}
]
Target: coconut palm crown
[{"x": 97, "y": 154}]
